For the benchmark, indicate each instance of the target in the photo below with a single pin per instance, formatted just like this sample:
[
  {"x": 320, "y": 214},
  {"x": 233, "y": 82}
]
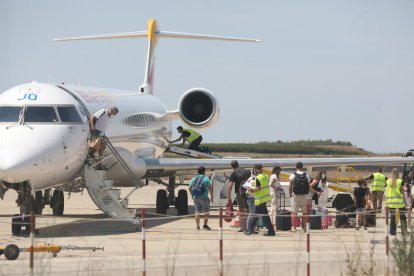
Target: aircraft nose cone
[{"x": 12, "y": 164}]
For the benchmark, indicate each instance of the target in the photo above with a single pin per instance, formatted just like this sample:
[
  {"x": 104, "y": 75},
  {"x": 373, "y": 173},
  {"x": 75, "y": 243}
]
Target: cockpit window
[
  {"x": 10, "y": 113},
  {"x": 68, "y": 114},
  {"x": 40, "y": 114}
]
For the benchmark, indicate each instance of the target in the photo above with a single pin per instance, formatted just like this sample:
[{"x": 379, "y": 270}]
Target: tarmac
[{"x": 175, "y": 247}]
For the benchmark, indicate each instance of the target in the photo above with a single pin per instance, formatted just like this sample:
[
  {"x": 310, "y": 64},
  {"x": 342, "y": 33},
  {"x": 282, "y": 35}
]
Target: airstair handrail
[{"x": 121, "y": 161}]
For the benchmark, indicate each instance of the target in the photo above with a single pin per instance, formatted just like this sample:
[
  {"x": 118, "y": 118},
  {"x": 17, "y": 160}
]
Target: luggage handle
[{"x": 280, "y": 200}]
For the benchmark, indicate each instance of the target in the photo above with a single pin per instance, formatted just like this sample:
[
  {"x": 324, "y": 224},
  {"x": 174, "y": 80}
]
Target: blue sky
[{"x": 341, "y": 70}]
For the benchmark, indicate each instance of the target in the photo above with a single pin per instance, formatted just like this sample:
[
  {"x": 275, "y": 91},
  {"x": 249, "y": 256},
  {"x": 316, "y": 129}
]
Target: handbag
[
  {"x": 228, "y": 216},
  {"x": 95, "y": 143}
]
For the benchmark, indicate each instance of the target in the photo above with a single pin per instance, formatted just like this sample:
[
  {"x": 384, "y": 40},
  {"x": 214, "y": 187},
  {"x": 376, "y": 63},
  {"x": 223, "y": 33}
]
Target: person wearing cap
[
  {"x": 188, "y": 135},
  {"x": 99, "y": 122},
  {"x": 261, "y": 197}
]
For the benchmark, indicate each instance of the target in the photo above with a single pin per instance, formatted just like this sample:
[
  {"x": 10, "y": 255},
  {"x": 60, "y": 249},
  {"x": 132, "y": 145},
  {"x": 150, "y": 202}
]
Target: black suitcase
[
  {"x": 315, "y": 221},
  {"x": 342, "y": 218},
  {"x": 371, "y": 218},
  {"x": 283, "y": 216}
]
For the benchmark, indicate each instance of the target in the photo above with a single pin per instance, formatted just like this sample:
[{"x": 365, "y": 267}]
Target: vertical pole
[
  {"x": 32, "y": 229},
  {"x": 308, "y": 239},
  {"x": 387, "y": 232},
  {"x": 221, "y": 241},
  {"x": 144, "y": 264}
]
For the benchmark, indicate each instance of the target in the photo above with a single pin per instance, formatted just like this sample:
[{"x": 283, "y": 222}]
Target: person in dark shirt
[
  {"x": 360, "y": 196},
  {"x": 237, "y": 178}
]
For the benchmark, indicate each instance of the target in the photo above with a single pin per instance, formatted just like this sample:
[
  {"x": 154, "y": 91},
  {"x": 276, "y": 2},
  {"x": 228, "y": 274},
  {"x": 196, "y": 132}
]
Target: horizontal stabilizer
[
  {"x": 204, "y": 37},
  {"x": 157, "y": 34},
  {"x": 105, "y": 36}
]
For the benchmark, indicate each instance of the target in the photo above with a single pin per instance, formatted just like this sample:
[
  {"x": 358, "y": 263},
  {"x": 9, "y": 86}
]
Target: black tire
[
  {"x": 38, "y": 203},
  {"x": 182, "y": 203},
  {"x": 162, "y": 204},
  {"x": 11, "y": 252},
  {"x": 16, "y": 227},
  {"x": 58, "y": 203}
]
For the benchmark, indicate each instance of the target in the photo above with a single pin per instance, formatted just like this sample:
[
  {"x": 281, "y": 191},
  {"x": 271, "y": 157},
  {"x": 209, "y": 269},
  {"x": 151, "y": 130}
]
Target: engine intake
[{"x": 198, "y": 108}]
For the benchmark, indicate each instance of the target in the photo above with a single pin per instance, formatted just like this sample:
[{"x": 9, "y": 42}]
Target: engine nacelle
[{"x": 198, "y": 108}]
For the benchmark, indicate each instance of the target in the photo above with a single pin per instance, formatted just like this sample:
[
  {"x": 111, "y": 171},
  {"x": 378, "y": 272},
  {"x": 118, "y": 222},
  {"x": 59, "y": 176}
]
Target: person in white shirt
[
  {"x": 274, "y": 186},
  {"x": 99, "y": 122}
]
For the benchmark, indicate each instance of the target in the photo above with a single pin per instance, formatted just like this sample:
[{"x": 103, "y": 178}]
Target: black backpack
[
  {"x": 301, "y": 184},
  {"x": 198, "y": 188},
  {"x": 242, "y": 175}
]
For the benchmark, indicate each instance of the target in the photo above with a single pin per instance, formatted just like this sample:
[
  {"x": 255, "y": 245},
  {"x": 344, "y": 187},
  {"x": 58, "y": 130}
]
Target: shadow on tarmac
[{"x": 99, "y": 224}]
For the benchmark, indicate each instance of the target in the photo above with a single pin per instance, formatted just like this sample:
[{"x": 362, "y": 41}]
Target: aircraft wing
[{"x": 173, "y": 166}]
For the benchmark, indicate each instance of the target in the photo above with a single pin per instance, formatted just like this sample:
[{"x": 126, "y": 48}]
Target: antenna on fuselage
[{"x": 153, "y": 33}]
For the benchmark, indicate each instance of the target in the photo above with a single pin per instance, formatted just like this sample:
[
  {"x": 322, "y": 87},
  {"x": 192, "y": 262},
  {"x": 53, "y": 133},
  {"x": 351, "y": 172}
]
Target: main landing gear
[
  {"x": 27, "y": 202},
  {"x": 164, "y": 200}
]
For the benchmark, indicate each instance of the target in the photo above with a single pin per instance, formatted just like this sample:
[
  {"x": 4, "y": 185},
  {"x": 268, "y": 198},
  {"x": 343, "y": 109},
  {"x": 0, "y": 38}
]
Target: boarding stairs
[{"x": 102, "y": 191}]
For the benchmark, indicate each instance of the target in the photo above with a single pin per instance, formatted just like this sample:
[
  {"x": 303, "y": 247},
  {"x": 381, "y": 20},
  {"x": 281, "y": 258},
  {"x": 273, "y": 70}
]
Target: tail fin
[{"x": 153, "y": 33}]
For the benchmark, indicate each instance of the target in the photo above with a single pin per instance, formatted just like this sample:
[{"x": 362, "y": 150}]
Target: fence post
[
  {"x": 32, "y": 233},
  {"x": 308, "y": 239},
  {"x": 144, "y": 264},
  {"x": 221, "y": 240},
  {"x": 387, "y": 240}
]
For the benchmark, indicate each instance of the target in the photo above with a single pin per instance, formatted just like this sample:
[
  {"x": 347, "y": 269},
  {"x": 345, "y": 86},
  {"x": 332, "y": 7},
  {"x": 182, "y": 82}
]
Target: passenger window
[
  {"x": 10, "y": 113},
  {"x": 40, "y": 114},
  {"x": 68, "y": 114}
]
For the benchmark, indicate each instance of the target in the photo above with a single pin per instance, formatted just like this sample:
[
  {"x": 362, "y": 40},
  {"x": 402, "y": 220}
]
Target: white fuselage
[{"x": 46, "y": 144}]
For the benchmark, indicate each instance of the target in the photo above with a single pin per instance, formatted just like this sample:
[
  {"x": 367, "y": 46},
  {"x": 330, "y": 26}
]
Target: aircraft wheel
[
  {"x": 16, "y": 225},
  {"x": 162, "y": 204},
  {"x": 11, "y": 252},
  {"x": 38, "y": 204},
  {"x": 182, "y": 203},
  {"x": 57, "y": 203}
]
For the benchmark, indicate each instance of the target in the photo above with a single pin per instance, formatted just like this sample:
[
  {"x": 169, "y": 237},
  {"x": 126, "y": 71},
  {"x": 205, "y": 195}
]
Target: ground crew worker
[
  {"x": 394, "y": 200},
  {"x": 99, "y": 122},
  {"x": 261, "y": 197},
  {"x": 192, "y": 137},
  {"x": 378, "y": 184}
]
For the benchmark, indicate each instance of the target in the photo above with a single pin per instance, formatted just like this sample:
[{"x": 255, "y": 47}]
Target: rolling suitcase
[
  {"x": 371, "y": 218},
  {"x": 326, "y": 218},
  {"x": 315, "y": 220},
  {"x": 283, "y": 216},
  {"x": 345, "y": 218}
]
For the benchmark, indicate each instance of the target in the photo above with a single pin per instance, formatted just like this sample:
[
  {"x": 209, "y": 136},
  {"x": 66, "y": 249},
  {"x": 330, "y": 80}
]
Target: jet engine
[{"x": 198, "y": 108}]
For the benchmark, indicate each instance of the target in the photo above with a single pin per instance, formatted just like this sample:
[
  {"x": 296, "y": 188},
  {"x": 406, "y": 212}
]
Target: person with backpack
[
  {"x": 238, "y": 178},
  {"x": 199, "y": 188},
  {"x": 299, "y": 188}
]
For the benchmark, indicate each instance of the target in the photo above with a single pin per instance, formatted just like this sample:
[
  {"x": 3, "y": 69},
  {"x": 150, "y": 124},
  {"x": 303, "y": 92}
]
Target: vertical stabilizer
[{"x": 153, "y": 30}]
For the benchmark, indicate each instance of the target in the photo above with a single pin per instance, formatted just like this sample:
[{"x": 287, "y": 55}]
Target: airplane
[{"x": 44, "y": 131}]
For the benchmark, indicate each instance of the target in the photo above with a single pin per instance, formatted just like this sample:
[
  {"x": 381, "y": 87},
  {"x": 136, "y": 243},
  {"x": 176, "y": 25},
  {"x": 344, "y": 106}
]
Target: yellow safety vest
[
  {"x": 263, "y": 195},
  {"x": 378, "y": 182},
  {"x": 393, "y": 196},
  {"x": 193, "y": 135}
]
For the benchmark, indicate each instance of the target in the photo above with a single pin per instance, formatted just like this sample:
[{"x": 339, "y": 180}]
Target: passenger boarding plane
[{"x": 44, "y": 131}]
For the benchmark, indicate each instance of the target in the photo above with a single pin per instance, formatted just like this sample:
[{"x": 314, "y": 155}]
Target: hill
[{"x": 302, "y": 147}]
